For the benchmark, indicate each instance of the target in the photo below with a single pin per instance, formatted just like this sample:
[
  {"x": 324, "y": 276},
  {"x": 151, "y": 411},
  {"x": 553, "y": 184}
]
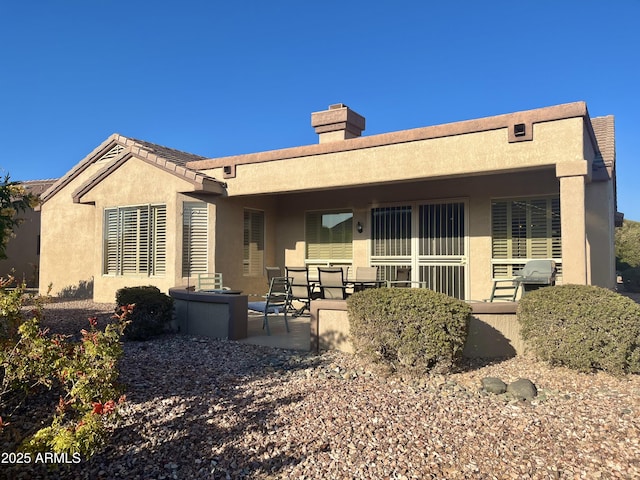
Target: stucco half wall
[{"x": 493, "y": 329}]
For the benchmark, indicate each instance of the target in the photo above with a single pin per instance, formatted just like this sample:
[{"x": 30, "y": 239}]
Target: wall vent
[{"x": 113, "y": 153}]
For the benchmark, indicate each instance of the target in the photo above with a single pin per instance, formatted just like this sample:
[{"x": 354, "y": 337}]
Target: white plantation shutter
[
  {"x": 135, "y": 240},
  {"x": 195, "y": 238},
  {"x": 159, "y": 240},
  {"x": 111, "y": 242},
  {"x": 556, "y": 237},
  {"x": 524, "y": 229},
  {"x": 539, "y": 230},
  {"x": 500, "y": 237},
  {"x": 329, "y": 236},
  {"x": 253, "y": 243}
]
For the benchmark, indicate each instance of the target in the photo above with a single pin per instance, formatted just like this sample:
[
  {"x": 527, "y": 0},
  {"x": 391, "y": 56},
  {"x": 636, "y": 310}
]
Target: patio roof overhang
[{"x": 487, "y": 146}]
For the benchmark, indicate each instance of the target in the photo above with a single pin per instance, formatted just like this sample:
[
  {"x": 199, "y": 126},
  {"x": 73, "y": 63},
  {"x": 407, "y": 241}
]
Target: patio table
[{"x": 362, "y": 284}]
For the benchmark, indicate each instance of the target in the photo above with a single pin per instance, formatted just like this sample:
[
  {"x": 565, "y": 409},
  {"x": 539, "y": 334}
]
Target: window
[
  {"x": 253, "y": 256},
  {"x": 135, "y": 240},
  {"x": 524, "y": 229},
  {"x": 195, "y": 238},
  {"x": 329, "y": 237}
]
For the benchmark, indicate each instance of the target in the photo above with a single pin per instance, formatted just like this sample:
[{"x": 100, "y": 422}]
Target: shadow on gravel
[
  {"x": 471, "y": 364},
  {"x": 205, "y": 408}
]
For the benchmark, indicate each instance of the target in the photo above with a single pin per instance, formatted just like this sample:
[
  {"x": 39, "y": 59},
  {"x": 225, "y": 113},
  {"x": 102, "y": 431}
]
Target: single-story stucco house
[{"x": 461, "y": 203}]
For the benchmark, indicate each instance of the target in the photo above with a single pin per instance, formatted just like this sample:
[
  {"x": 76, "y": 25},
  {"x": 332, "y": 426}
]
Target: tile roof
[
  {"x": 604, "y": 130},
  {"x": 604, "y": 162},
  {"x": 169, "y": 159},
  {"x": 176, "y": 156},
  {"x": 37, "y": 187}
]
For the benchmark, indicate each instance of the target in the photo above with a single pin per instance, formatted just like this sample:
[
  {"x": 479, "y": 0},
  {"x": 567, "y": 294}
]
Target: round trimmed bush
[
  {"x": 582, "y": 327},
  {"x": 151, "y": 315},
  {"x": 408, "y": 329}
]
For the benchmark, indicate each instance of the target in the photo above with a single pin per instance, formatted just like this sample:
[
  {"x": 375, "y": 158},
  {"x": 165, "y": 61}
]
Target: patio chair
[
  {"x": 535, "y": 274},
  {"x": 332, "y": 285},
  {"x": 403, "y": 279},
  {"x": 366, "y": 277},
  {"x": 276, "y": 301},
  {"x": 301, "y": 289},
  {"x": 273, "y": 272}
]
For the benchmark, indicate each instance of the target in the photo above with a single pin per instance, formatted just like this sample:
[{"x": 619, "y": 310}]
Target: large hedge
[
  {"x": 582, "y": 327},
  {"x": 408, "y": 329}
]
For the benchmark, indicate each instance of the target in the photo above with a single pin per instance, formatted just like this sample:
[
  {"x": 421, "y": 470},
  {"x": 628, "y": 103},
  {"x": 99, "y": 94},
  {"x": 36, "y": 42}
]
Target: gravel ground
[{"x": 206, "y": 409}]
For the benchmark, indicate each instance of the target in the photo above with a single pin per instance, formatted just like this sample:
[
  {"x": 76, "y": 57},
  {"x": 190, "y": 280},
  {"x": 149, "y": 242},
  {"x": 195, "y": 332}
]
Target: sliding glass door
[{"x": 427, "y": 238}]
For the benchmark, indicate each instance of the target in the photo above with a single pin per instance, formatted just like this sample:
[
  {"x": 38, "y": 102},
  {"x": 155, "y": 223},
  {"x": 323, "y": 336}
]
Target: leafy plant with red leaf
[{"x": 84, "y": 372}]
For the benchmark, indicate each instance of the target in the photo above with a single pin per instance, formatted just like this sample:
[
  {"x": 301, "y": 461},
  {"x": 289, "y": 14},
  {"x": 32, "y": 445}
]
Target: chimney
[{"x": 339, "y": 122}]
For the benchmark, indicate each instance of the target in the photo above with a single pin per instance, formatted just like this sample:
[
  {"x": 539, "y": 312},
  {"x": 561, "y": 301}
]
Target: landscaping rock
[
  {"x": 493, "y": 385},
  {"x": 222, "y": 415},
  {"x": 522, "y": 389}
]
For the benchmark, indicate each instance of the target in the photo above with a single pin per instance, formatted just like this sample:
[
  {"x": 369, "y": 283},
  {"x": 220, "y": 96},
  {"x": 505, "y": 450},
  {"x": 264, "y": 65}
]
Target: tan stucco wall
[
  {"x": 22, "y": 250},
  {"x": 67, "y": 245},
  {"x": 228, "y": 231},
  {"x": 491, "y": 335},
  {"x": 79, "y": 256},
  {"x": 600, "y": 229},
  {"x": 469, "y": 154}
]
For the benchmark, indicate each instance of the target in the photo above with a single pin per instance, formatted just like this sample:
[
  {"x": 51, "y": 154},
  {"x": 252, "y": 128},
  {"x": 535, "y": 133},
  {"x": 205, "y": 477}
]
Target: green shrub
[
  {"x": 152, "y": 314},
  {"x": 83, "y": 375},
  {"x": 631, "y": 279},
  {"x": 10, "y": 308},
  {"x": 627, "y": 243},
  {"x": 408, "y": 329},
  {"x": 582, "y": 327}
]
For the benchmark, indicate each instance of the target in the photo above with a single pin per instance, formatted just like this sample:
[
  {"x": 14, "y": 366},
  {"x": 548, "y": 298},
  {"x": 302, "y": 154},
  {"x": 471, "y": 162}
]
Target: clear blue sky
[{"x": 222, "y": 78}]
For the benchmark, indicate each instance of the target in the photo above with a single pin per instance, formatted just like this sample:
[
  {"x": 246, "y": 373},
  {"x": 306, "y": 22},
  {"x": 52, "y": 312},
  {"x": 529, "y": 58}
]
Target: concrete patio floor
[{"x": 298, "y": 338}]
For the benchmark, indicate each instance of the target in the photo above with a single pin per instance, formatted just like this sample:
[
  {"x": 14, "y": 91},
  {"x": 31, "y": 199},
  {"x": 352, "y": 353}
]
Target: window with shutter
[
  {"x": 159, "y": 239},
  {"x": 135, "y": 240},
  {"x": 329, "y": 237},
  {"x": 195, "y": 238},
  {"x": 253, "y": 243},
  {"x": 524, "y": 229}
]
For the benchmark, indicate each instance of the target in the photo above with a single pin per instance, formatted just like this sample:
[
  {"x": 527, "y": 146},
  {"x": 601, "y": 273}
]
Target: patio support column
[{"x": 573, "y": 177}]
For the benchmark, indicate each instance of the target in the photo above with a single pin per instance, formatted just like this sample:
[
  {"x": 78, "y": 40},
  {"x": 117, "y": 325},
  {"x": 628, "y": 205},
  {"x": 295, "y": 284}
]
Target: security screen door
[{"x": 428, "y": 237}]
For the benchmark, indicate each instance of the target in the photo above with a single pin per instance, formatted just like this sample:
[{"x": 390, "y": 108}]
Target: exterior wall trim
[{"x": 528, "y": 118}]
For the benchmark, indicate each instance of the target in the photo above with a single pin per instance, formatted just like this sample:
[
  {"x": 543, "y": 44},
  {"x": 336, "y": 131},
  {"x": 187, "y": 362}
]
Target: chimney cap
[{"x": 340, "y": 119}]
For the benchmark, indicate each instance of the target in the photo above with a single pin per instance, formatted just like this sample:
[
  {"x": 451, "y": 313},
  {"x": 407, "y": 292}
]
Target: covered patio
[
  {"x": 298, "y": 337},
  {"x": 493, "y": 331}
]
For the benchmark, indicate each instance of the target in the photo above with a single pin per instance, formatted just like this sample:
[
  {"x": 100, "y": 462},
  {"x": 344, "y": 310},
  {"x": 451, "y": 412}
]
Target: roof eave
[
  {"x": 200, "y": 182},
  {"x": 87, "y": 161}
]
